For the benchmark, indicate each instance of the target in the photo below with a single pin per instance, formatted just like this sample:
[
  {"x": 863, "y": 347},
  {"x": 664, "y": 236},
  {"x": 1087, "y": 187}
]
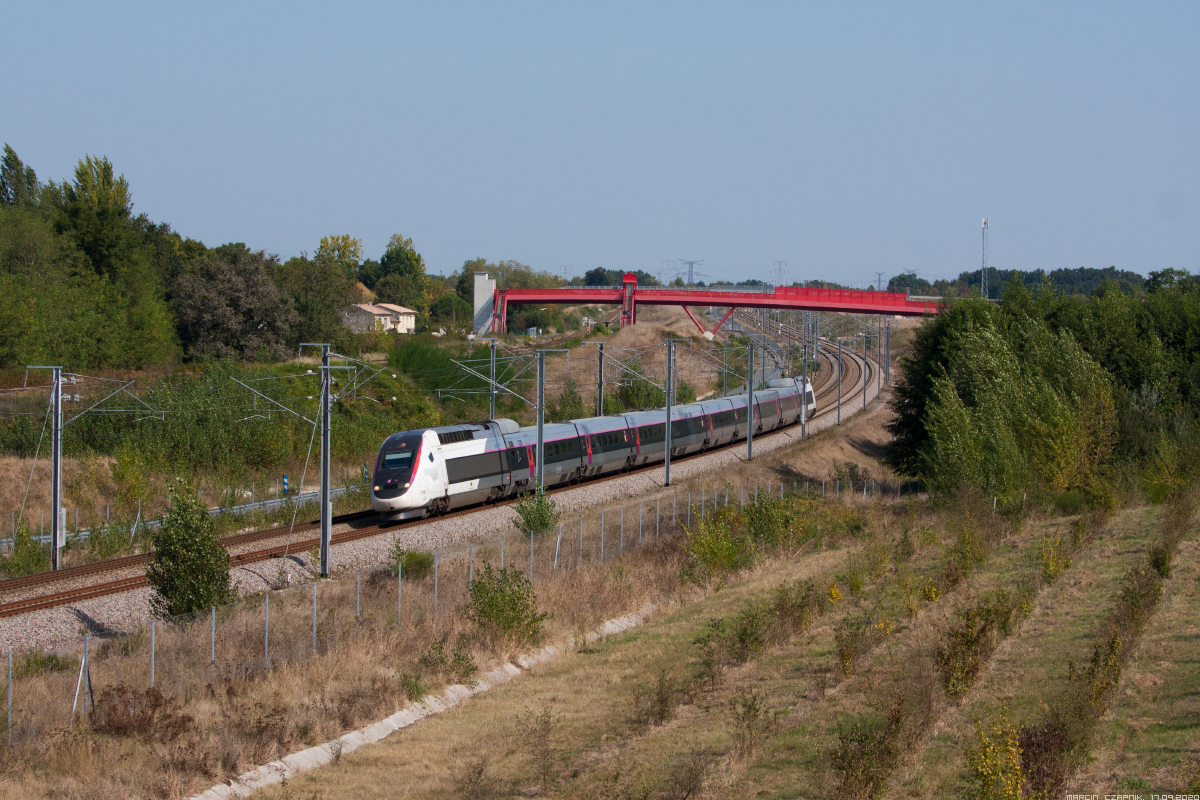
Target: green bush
[
  {"x": 715, "y": 550},
  {"x": 190, "y": 568},
  {"x": 504, "y": 607},
  {"x": 971, "y": 639},
  {"x": 414, "y": 564},
  {"x": 28, "y": 556},
  {"x": 35, "y": 662},
  {"x": 536, "y": 513}
]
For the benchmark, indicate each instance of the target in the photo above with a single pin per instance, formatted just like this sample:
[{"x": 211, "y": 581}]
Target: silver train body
[{"x": 426, "y": 472}]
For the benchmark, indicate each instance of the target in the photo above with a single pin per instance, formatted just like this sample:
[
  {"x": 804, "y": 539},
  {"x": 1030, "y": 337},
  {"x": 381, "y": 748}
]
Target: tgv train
[{"x": 427, "y": 472}]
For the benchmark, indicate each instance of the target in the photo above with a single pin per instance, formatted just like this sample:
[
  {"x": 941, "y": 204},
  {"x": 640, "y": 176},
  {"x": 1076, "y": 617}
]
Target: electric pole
[
  {"x": 600, "y": 382},
  {"x": 839, "y": 379},
  {"x": 541, "y": 410},
  {"x": 750, "y": 407},
  {"x": 670, "y": 395},
  {"x": 326, "y": 503},
  {"x": 691, "y": 265}
]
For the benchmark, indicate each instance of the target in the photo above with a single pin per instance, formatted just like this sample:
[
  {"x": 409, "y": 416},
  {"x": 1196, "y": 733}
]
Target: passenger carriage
[{"x": 431, "y": 471}]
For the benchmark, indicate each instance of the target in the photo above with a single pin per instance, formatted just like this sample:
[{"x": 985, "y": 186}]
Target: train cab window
[{"x": 398, "y": 461}]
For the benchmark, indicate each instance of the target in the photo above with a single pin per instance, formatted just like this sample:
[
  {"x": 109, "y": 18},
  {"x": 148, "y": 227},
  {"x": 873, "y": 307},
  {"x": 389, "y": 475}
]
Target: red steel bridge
[{"x": 629, "y": 296}]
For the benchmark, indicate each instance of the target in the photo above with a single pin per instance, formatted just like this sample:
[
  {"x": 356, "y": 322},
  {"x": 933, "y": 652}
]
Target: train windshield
[
  {"x": 399, "y": 461},
  {"x": 396, "y": 458}
]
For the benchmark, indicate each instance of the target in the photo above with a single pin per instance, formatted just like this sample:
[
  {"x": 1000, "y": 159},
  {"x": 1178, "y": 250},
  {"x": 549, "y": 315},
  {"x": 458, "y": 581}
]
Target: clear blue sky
[{"x": 843, "y": 138}]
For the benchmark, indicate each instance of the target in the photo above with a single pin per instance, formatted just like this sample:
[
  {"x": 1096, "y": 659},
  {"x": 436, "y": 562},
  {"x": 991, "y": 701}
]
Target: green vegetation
[
  {"x": 190, "y": 568},
  {"x": 1054, "y": 396},
  {"x": 504, "y": 608},
  {"x": 536, "y": 513}
]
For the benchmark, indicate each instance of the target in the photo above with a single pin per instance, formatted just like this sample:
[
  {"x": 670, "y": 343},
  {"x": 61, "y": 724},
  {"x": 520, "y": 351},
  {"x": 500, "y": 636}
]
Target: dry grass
[
  {"x": 220, "y": 719},
  {"x": 1152, "y": 731},
  {"x": 1030, "y": 668}
]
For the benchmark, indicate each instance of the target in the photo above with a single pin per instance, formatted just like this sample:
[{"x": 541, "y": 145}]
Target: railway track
[{"x": 826, "y": 388}]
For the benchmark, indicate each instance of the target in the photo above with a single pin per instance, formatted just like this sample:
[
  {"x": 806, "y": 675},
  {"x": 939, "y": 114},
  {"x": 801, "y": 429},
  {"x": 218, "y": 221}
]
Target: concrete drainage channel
[{"x": 288, "y": 767}]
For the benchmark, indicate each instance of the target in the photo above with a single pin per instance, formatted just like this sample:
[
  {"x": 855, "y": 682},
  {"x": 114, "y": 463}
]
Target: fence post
[
  {"x": 640, "y": 509},
  {"x": 743, "y": 499},
  {"x": 580, "y": 564},
  {"x": 212, "y": 645},
  {"x": 501, "y": 553},
  {"x": 657, "y": 516},
  {"x": 151, "y": 654},
  {"x": 601, "y": 537},
  {"x": 621, "y": 546},
  {"x": 435, "y": 578},
  {"x": 87, "y": 674},
  {"x": 267, "y": 633},
  {"x": 689, "y": 513},
  {"x": 399, "y": 593},
  {"x": 703, "y": 502},
  {"x": 314, "y": 617},
  {"x": 357, "y": 596},
  {"x": 557, "y": 545},
  {"x": 471, "y": 564},
  {"x": 674, "y": 504},
  {"x": 727, "y": 497},
  {"x": 10, "y": 693},
  {"x": 531, "y": 558}
]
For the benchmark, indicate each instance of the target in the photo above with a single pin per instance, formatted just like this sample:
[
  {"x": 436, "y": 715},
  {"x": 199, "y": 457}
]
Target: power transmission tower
[
  {"x": 780, "y": 270},
  {"x": 691, "y": 265},
  {"x": 879, "y": 280},
  {"x": 983, "y": 273}
]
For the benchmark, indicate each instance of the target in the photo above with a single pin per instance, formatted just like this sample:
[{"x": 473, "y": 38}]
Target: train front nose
[{"x": 391, "y": 495}]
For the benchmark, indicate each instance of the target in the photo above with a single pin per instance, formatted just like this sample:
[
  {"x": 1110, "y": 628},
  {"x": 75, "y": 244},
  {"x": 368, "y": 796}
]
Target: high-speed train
[{"x": 427, "y": 472}]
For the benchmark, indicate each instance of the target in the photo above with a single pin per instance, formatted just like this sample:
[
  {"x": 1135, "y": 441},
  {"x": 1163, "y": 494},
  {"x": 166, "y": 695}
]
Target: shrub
[
  {"x": 713, "y": 652},
  {"x": 536, "y": 731},
  {"x": 751, "y": 721},
  {"x": 504, "y": 606},
  {"x": 459, "y": 666},
  {"x": 750, "y": 632},
  {"x": 413, "y": 687},
  {"x": 190, "y": 568},
  {"x": 715, "y": 550},
  {"x": 856, "y": 636},
  {"x": 414, "y": 564},
  {"x": 1160, "y": 560},
  {"x": 149, "y": 714},
  {"x": 28, "y": 556},
  {"x": 35, "y": 662},
  {"x": 994, "y": 768},
  {"x": 971, "y": 639},
  {"x": 867, "y": 750},
  {"x": 1055, "y": 559},
  {"x": 656, "y": 704},
  {"x": 536, "y": 513}
]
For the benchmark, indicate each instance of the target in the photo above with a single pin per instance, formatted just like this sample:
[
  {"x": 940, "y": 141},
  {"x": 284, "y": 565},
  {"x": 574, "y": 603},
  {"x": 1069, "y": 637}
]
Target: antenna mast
[{"x": 983, "y": 273}]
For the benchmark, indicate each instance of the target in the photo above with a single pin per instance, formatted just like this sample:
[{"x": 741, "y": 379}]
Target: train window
[{"x": 397, "y": 461}]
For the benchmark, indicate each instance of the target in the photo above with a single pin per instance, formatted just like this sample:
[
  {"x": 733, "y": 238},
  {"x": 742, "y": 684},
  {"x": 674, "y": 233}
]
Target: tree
[
  {"x": 189, "y": 569},
  {"x": 400, "y": 276},
  {"x": 452, "y": 308},
  {"x": 596, "y": 277},
  {"x": 344, "y": 251},
  {"x": 227, "y": 306},
  {"x": 404, "y": 292},
  {"x": 94, "y": 210},
  {"x": 18, "y": 183},
  {"x": 909, "y": 282},
  {"x": 320, "y": 292}
]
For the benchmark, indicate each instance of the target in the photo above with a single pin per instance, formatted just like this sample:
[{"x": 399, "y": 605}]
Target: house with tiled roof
[{"x": 363, "y": 317}]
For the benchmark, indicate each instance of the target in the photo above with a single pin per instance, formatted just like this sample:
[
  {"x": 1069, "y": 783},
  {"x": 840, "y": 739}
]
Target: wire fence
[{"x": 182, "y": 657}]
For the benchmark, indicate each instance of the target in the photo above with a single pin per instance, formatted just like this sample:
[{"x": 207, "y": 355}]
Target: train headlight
[
  {"x": 377, "y": 488},
  {"x": 406, "y": 486}
]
